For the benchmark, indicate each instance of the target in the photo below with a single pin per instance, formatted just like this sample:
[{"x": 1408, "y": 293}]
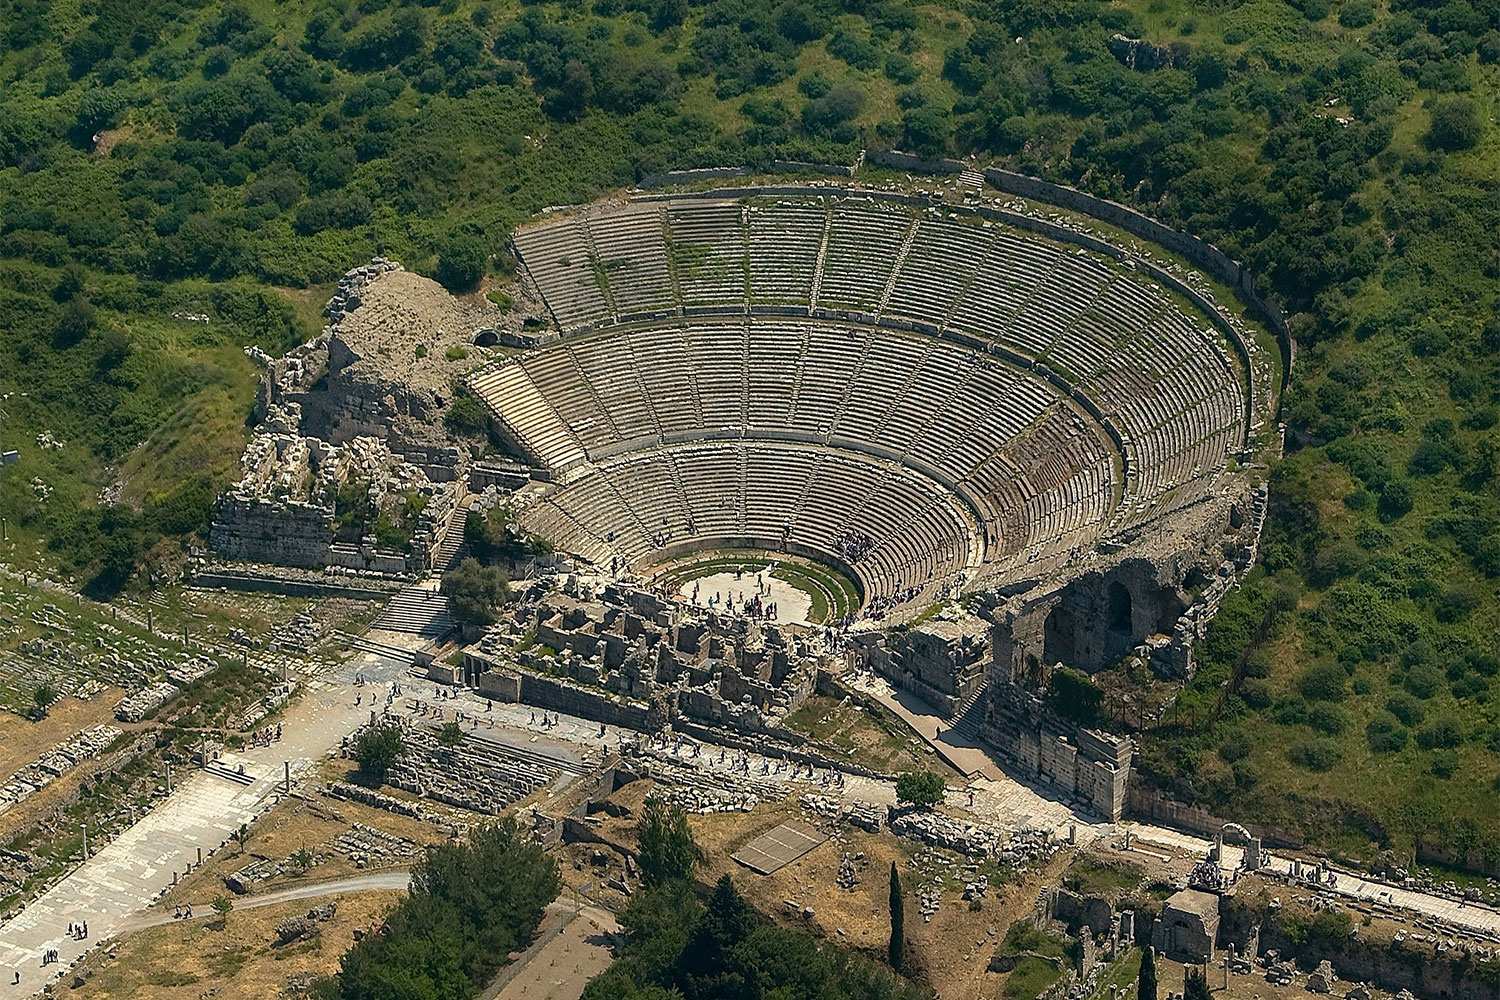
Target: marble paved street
[{"x": 204, "y": 810}]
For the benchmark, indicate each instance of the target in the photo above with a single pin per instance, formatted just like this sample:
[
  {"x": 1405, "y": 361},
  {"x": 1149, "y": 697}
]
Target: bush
[
  {"x": 1236, "y": 747},
  {"x": 834, "y": 108},
  {"x": 922, "y": 789},
  {"x": 1328, "y": 719},
  {"x": 1404, "y": 707},
  {"x": 1385, "y": 733},
  {"x": 1357, "y": 13},
  {"x": 1256, "y": 692},
  {"x": 1443, "y": 732},
  {"x": 462, "y": 261},
  {"x": 1323, "y": 682},
  {"x": 1424, "y": 680},
  {"x": 1075, "y": 695},
  {"x": 1455, "y": 124},
  {"x": 1315, "y": 755}
]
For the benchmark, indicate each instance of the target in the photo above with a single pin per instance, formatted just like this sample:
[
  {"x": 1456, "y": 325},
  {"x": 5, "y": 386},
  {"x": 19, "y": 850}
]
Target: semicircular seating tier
[{"x": 920, "y": 399}]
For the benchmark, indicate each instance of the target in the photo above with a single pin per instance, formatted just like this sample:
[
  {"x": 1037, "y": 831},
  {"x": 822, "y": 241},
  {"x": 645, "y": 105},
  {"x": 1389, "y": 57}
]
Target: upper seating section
[{"x": 1092, "y": 323}]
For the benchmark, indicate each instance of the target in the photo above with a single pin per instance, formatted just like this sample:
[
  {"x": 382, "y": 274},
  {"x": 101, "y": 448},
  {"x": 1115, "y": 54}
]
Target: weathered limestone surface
[{"x": 363, "y": 402}]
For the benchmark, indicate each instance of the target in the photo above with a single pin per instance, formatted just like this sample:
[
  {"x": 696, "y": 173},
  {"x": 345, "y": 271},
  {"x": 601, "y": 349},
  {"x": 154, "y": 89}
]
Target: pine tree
[
  {"x": 1146, "y": 982},
  {"x": 898, "y": 920}
]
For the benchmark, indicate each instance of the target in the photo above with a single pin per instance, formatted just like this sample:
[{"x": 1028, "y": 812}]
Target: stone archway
[
  {"x": 1119, "y": 609},
  {"x": 1060, "y": 636}
]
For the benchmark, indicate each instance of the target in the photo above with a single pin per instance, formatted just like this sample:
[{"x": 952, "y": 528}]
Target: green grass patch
[
  {"x": 1029, "y": 979},
  {"x": 833, "y": 594},
  {"x": 1103, "y": 880}
]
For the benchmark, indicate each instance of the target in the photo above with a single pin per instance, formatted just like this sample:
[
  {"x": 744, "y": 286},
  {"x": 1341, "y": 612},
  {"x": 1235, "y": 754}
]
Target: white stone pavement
[{"x": 203, "y": 811}]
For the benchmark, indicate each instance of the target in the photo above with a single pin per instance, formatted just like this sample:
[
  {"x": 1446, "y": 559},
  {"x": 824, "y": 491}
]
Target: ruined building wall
[{"x": 285, "y": 533}]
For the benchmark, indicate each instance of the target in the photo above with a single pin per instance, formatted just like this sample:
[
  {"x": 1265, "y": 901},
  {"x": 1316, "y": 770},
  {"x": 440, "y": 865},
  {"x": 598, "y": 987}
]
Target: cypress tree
[
  {"x": 1146, "y": 983},
  {"x": 1195, "y": 986},
  {"x": 898, "y": 920}
]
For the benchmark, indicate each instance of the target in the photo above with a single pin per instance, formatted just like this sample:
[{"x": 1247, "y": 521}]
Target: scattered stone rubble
[
  {"x": 870, "y": 818},
  {"x": 137, "y": 705},
  {"x": 850, "y": 865},
  {"x": 191, "y": 670},
  {"x": 83, "y": 745},
  {"x": 939, "y": 831},
  {"x": 379, "y": 800},
  {"x": 298, "y": 928},
  {"x": 368, "y": 847}
]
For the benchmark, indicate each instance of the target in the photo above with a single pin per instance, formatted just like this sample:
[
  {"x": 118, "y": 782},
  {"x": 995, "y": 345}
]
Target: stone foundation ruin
[
  {"x": 356, "y": 416},
  {"x": 677, "y": 660}
]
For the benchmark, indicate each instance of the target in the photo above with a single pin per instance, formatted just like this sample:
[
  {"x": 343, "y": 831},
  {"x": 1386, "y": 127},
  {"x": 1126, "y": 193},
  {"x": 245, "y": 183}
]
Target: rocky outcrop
[{"x": 1138, "y": 54}]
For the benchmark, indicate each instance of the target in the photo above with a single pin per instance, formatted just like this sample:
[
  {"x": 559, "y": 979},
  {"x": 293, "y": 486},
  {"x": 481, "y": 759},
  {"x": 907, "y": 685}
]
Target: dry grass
[
  {"x": 872, "y": 737},
  {"x": 291, "y": 825},
  {"x": 186, "y": 961},
  {"x": 22, "y": 742},
  {"x": 950, "y": 953}
]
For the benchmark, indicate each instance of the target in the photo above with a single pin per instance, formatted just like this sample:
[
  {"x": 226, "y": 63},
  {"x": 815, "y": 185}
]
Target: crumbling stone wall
[{"x": 942, "y": 661}]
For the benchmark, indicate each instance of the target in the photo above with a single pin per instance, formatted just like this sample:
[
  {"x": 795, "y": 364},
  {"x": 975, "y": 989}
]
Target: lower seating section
[{"x": 910, "y": 533}]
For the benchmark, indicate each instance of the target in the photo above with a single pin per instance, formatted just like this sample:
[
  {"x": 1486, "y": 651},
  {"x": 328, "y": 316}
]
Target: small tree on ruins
[
  {"x": 451, "y": 734},
  {"x": 474, "y": 592},
  {"x": 897, "y": 946},
  {"x": 667, "y": 850},
  {"x": 1195, "y": 986},
  {"x": 922, "y": 789},
  {"x": 376, "y": 750},
  {"x": 42, "y": 697}
]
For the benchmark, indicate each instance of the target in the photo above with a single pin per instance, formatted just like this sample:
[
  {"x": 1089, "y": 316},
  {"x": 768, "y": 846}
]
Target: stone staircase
[
  {"x": 229, "y": 774},
  {"x": 966, "y": 718},
  {"x": 390, "y": 652},
  {"x": 417, "y": 611},
  {"x": 480, "y": 745},
  {"x": 454, "y": 548}
]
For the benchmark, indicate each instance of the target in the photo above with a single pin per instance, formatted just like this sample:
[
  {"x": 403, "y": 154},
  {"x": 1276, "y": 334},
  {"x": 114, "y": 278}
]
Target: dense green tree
[
  {"x": 462, "y": 261},
  {"x": 1455, "y": 124},
  {"x": 923, "y": 789},
  {"x": 1195, "y": 986},
  {"x": 475, "y": 592},
  {"x": 470, "y": 906},
  {"x": 667, "y": 850},
  {"x": 376, "y": 749},
  {"x": 1145, "y": 983}
]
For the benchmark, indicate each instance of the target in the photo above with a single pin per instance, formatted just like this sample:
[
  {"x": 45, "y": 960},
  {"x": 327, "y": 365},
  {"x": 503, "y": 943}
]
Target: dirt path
[
  {"x": 312, "y": 890},
  {"x": 572, "y": 947}
]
